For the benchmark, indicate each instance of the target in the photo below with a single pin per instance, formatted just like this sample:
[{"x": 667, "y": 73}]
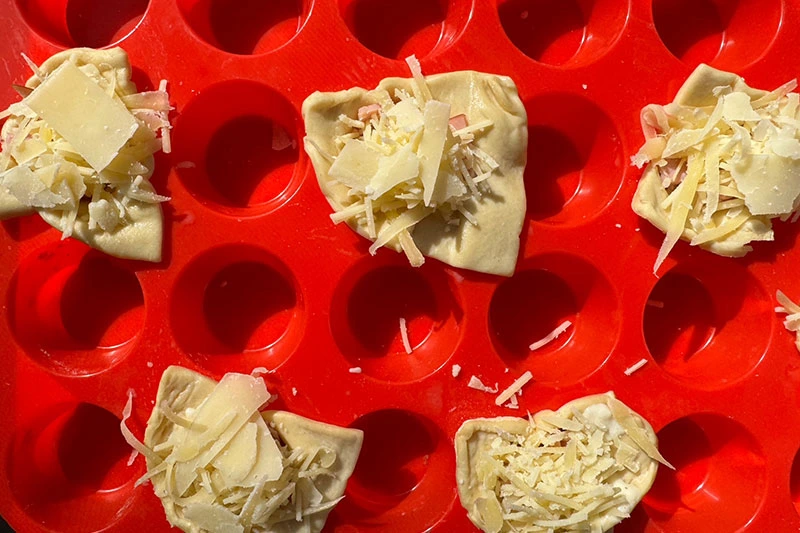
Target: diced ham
[
  {"x": 458, "y": 122},
  {"x": 368, "y": 111}
]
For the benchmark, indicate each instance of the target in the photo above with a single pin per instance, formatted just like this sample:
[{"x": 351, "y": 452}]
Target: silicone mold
[{"x": 255, "y": 274}]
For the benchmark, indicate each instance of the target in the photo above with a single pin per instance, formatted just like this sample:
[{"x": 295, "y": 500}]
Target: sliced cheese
[
  {"x": 402, "y": 166},
  {"x": 355, "y": 165},
  {"x": 93, "y": 122},
  {"x": 437, "y": 118}
]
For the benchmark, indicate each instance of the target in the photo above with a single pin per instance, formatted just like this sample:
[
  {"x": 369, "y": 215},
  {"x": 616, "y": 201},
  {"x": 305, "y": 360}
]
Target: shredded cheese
[
  {"x": 550, "y": 337},
  {"x": 405, "y": 158},
  {"x": 710, "y": 149},
  {"x": 404, "y": 335},
  {"x": 355, "y": 370},
  {"x": 514, "y": 388},
  {"x": 792, "y": 312},
  {"x": 81, "y": 140},
  {"x": 477, "y": 384},
  {"x": 456, "y": 370},
  {"x": 634, "y": 367}
]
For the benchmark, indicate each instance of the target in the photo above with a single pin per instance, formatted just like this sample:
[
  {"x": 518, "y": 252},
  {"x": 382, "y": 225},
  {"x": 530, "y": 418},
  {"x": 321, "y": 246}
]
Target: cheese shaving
[
  {"x": 58, "y": 161},
  {"x": 456, "y": 370},
  {"x": 404, "y": 335},
  {"x": 477, "y": 384},
  {"x": 792, "y": 312},
  {"x": 514, "y": 388},
  {"x": 707, "y": 149},
  {"x": 402, "y": 160},
  {"x": 550, "y": 337}
]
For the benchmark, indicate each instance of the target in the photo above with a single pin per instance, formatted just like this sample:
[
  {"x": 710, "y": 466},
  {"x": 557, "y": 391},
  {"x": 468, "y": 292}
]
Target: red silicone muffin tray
[{"x": 255, "y": 274}]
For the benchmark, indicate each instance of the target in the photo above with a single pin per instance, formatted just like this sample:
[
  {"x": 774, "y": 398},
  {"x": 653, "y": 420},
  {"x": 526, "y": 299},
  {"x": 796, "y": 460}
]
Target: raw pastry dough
[
  {"x": 220, "y": 465},
  {"x": 114, "y": 209},
  {"x": 489, "y": 244},
  {"x": 581, "y": 468},
  {"x": 723, "y": 159}
]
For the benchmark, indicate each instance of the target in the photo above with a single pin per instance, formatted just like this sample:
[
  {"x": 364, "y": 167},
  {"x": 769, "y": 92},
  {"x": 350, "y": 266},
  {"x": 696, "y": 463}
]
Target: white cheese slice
[
  {"x": 406, "y": 115},
  {"x": 94, "y": 123},
  {"x": 237, "y": 396},
  {"x": 431, "y": 147},
  {"x": 393, "y": 170},
  {"x": 737, "y": 106},
  {"x": 770, "y": 183},
  {"x": 355, "y": 165}
]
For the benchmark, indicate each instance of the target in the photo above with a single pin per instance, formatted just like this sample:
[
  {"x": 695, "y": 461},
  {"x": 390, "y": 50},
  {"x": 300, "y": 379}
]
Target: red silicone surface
[{"x": 255, "y": 274}]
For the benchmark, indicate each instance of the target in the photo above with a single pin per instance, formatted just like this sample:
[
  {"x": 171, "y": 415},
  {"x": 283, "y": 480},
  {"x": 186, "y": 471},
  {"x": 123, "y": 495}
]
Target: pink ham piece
[
  {"x": 458, "y": 122},
  {"x": 368, "y": 111}
]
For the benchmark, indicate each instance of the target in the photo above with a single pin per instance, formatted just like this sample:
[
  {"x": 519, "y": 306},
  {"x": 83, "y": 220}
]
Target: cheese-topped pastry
[
  {"x": 432, "y": 166},
  {"x": 78, "y": 149}
]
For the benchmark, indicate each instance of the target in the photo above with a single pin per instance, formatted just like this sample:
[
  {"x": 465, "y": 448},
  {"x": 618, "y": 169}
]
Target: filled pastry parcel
[
  {"x": 218, "y": 464},
  {"x": 723, "y": 160},
  {"x": 581, "y": 468},
  {"x": 432, "y": 166},
  {"x": 78, "y": 150}
]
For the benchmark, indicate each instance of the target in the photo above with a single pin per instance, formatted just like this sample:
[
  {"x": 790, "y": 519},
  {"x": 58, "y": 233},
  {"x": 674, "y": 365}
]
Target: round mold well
[
  {"x": 24, "y": 227},
  {"x": 400, "y": 475},
  {"x": 74, "y": 310},
  {"x": 237, "y": 148},
  {"x": 399, "y": 29},
  {"x": 575, "y": 159},
  {"x": 546, "y": 291},
  {"x": 794, "y": 482},
  {"x": 728, "y": 34},
  {"x": 67, "y": 468},
  {"x": 717, "y": 461},
  {"x": 566, "y": 33},
  {"x": 235, "y": 308},
  {"x": 76, "y": 23},
  {"x": 372, "y": 297},
  {"x": 245, "y": 27},
  {"x": 707, "y": 323}
]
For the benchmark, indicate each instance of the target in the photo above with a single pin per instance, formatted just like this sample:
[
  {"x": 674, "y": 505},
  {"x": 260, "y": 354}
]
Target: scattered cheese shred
[
  {"x": 477, "y": 384},
  {"x": 405, "y": 158},
  {"x": 723, "y": 162},
  {"x": 355, "y": 370},
  {"x": 404, "y": 335},
  {"x": 553, "y": 335},
  {"x": 636, "y": 366},
  {"x": 456, "y": 370},
  {"x": 792, "y": 311},
  {"x": 514, "y": 388}
]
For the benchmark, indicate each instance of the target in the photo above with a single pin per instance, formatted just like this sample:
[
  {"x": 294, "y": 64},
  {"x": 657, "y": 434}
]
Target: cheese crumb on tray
[
  {"x": 220, "y": 464},
  {"x": 581, "y": 468},
  {"x": 723, "y": 160},
  {"x": 78, "y": 150},
  {"x": 430, "y": 166}
]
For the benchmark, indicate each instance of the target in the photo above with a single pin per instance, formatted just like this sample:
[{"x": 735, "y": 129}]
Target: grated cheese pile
[
  {"x": 405, "y": 158},
  {"x": 79, "y": 145},
  {"x": 218, "y": 464},
  {"x": 792, "y": 311},
  {"x": 723, "y": 160},
  {"x": 582, "y": 468}
]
